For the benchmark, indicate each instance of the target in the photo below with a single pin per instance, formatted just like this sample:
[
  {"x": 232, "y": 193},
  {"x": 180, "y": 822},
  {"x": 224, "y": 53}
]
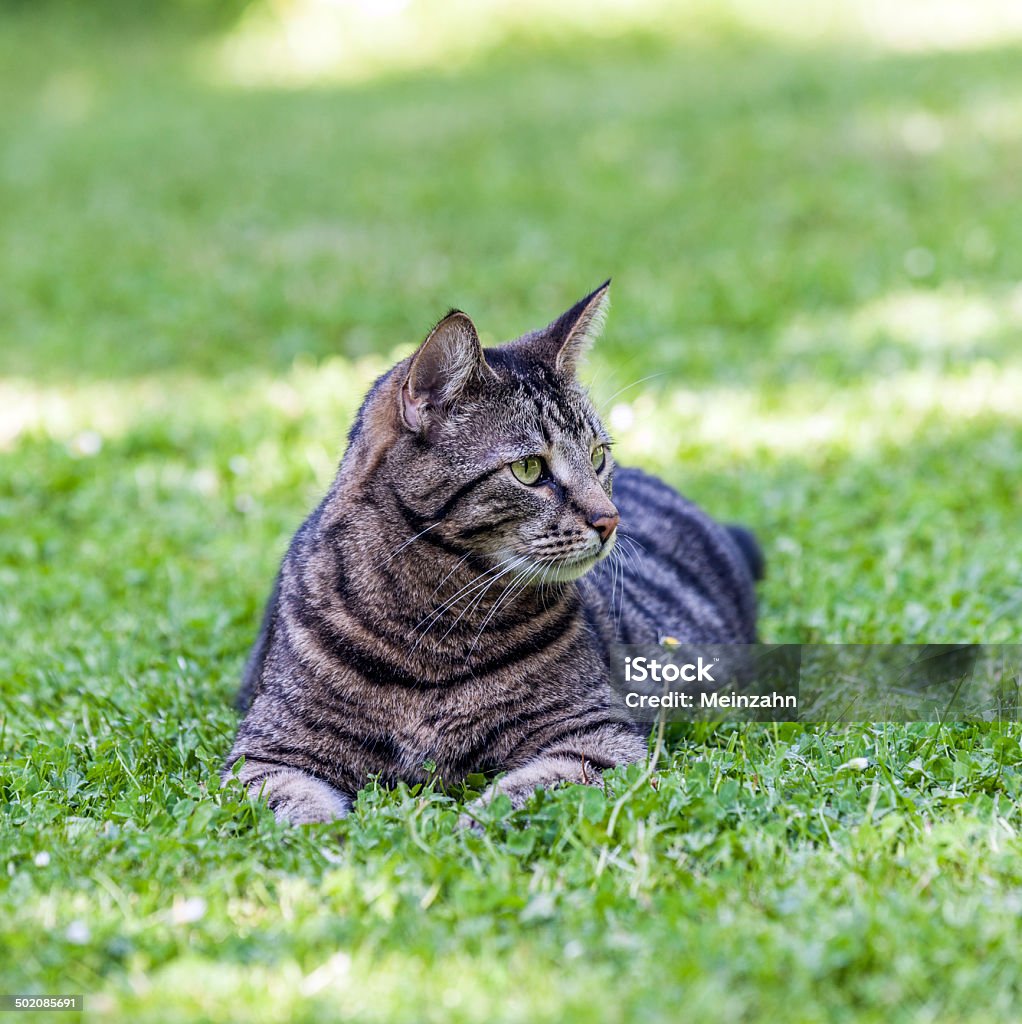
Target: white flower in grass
[
  {"x": 205, "y": 481},
  {"x": 856, "y": 764},
  {"x": 42, "y": 860},
  {"x": 919, "y": 262},
  {"x": 188, "y": 911},
  {"x": 86, "y": 444},
  {"x": 334, "y": 971},
  {"x": 78, "y": 933}
]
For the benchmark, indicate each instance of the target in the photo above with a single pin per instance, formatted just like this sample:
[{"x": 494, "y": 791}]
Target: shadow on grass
[{"x": 743, "y": 193}]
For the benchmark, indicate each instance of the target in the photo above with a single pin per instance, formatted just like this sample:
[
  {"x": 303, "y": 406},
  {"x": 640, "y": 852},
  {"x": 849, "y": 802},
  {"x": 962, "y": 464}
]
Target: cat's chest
[{"x": 468, "y": 729}]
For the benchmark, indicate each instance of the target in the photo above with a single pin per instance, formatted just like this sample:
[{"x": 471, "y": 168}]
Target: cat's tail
[{"x": 749, "y": 547}]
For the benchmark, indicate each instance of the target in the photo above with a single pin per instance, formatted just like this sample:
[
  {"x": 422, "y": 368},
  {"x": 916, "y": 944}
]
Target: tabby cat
[{"x": 450, "y": 605}]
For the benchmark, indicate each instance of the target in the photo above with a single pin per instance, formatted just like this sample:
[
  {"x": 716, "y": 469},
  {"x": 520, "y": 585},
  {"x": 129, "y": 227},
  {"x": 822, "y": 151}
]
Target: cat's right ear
[{"x": 445, "y": 364}]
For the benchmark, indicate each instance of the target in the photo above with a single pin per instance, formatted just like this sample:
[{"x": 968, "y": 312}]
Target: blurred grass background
[{"x": 219, "y": 222}]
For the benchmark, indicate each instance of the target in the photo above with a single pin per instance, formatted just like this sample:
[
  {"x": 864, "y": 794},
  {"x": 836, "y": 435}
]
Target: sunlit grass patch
[{"x": 298, "y": 42}]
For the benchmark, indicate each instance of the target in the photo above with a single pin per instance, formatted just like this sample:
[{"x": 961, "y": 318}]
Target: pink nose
[{"x": 605, "y": 524}]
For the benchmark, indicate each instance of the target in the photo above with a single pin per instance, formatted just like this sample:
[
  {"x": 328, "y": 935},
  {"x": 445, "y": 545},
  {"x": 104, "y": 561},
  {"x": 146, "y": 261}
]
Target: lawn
[{"x": 817, "y": 259}]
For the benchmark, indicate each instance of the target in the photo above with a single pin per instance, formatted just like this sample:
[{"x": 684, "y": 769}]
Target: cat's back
[{"x": 675, "y": 571}]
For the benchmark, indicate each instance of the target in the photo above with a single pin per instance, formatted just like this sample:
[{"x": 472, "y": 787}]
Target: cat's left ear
[
  {"x": 563, "y": 344},
  {"x": 445, "y": 364}
]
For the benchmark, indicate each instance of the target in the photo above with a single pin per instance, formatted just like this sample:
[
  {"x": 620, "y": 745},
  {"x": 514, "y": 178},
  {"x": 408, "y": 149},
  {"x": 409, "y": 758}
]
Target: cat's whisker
[
  {"x": 483, "y": 582},
  {"x": 611, "y": 570},
  {"x": 531, "y": 568},
  {"x": 615, "y": 567},
  {"x": 476, "y": 602},
  {"x": 619, "y": 585},
  {"x": 628, "y": 387},
  {"x": 629, "y": 560},
  {"x": 467, "y": 588},
  {"x": 401, "y": 547},
  {"x": 469, "y": 609},
  {"x": 629, "y": 554},
  {"x": 631, "y": 540},
  {"x": 629, "y": 557},
  {"x": 457, "y": 565},
  {"x": 542, "y": 586},
  {"x": 509, "y": 588}
]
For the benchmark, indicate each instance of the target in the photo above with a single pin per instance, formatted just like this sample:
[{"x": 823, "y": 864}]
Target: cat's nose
[{"x": 605, "y": 524}]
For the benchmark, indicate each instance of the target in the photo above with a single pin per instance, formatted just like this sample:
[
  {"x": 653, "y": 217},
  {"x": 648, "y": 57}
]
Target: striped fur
[{"x": 435, "y": 614}]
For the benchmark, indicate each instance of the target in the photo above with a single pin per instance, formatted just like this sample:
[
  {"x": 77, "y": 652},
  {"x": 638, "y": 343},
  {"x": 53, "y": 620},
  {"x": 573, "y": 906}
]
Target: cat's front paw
[
  {"x": 299, "y": 799},
  {"x": 469, "y": 822},
  {"x": 310, "y": 812},
  {"x": 477, "y": 814}
]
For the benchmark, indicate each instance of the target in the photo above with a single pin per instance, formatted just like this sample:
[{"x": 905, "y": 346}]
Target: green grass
[{"x": 814, "y": 249}]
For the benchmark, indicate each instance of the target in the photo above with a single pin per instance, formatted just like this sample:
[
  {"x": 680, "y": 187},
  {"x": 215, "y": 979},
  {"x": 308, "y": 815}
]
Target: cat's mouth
[{"x": 575, "y": 566}]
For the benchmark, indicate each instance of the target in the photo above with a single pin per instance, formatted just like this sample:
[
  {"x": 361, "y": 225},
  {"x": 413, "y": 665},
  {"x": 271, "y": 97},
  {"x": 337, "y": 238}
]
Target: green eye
[
  {"x": 528, "y": 470},
  {"x": 599, "y": 457}
]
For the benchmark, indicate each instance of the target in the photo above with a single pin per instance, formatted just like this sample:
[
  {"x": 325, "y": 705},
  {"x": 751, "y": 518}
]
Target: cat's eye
[
  {"x": 528, "y": 470},
  {"x": 599, "y": 457}
]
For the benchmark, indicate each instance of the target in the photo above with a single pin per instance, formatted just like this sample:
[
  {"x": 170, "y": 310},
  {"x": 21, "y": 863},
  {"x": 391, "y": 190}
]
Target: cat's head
[{"x": 498, "y": 452}]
